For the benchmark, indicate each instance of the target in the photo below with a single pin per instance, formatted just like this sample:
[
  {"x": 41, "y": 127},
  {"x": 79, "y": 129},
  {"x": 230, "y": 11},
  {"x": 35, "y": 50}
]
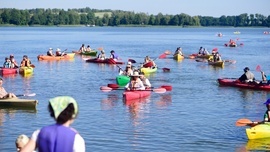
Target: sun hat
[
  {"x": 136, "y": 74},
  {"x": 102, "y": 51},
  {"x": 267, "y": 102},
  {"x": 129, "y": 63},
  {"x": 60, "y": 103},
  {"x": 50, "y": 49},
  {"x": 58, "y": 49}
]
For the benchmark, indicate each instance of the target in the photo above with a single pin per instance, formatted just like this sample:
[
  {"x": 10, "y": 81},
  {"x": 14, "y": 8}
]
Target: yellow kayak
[
  {"x": 26, "y": 70},
  {"x": 178, "y": 57},
  {"x": 148, "y": 70},
  {"x": 217, "y": 63},
  {"x": 259, "y": 131}
]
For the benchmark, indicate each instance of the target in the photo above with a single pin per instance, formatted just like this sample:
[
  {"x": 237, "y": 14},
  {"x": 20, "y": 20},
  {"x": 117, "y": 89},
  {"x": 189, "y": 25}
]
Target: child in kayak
[
  {"x": 7, "y": 63},
  {"x": 135, "y": 82}
]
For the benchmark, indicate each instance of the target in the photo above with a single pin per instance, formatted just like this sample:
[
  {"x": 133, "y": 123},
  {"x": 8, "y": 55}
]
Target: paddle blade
[
  {"x": 105, "y": 89},
  {"x": 258, "y": 68},
  {"x": 131, "y": 60},
  {"x": 26, "y": 95},
  {"x": 100, "y": 48},
  {"x": 167, "y": 52},
  {"x": 32, "y": 65},
  {"x": 214, "y": 49},
  {"x": 243, "y": 122},
  {"x": 159, "y": 90},
  {"x": 162, "y": 56},
  {"x": 166, "y": 69}
]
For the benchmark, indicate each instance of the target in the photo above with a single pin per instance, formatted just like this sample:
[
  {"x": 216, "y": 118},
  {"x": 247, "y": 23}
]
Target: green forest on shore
[{"x": 94, "y": 17}]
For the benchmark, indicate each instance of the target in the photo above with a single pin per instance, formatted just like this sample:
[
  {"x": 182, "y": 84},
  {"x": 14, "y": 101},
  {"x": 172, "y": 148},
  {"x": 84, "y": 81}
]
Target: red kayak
[
  {"x": 137, "y": 94},
  {"x": 234, "y": 83},
  {"x": 5, "y": 71},
  {"x": 106, "y": 61}
]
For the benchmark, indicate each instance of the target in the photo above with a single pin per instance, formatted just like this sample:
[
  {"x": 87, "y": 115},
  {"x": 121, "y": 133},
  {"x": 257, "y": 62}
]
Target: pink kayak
[
  {"x": 5, "y": 71},
  {"x": 137, "y": 94}
]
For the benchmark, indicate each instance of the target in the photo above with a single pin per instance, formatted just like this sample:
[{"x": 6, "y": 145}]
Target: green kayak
[
  {"x": 122, "y": 80},
  {"x": 91, "y": 53},
  {"x": 17, "y": 102}
]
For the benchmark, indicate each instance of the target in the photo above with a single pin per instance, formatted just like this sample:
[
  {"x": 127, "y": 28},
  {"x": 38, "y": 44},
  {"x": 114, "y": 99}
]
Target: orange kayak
[{"x": 67, "y": 56}]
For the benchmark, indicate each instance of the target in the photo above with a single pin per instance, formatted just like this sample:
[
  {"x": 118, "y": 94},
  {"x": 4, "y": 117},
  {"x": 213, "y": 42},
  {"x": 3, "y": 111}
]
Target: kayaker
[
  {"x": 88, "y": 49},
  {"x": 247, "y": 76},
  {"x": 82, "y": 49},
  {"x": 148, "y": 63},
  {"x": 3, "y": 92},
  {"x": 178, "y": 51},
  {"x": 21, "y": 141},
  {"x": 264, "y": 79},
  {"x": 128, "y": 71},
  {"x": 50, "y": 52},
  {"x": 101, "y": 55},
  {"x": 135, "y": 82},
  {"x": 59, "y": 136},
  {"x": 113, "y": 55},
  {"x": 205, "y": 52},
  {"x": 217, "y": 57},
  {"x": 266, "y": 116},
  {"x": 25, "y": 61},
  {"x": 145, "y": 81},
  {"x": 200, "y": 51},
  {"x": 58, "y": 52},
  {"x": 7, "y": 63},
  {"x": 14, "y": 64}
]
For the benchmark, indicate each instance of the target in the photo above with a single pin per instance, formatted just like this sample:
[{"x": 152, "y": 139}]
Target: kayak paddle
[
  {"x": 26, "y": 95},
  {"x": 243, "y": 122},
  {"x": 258, "y": 68},
  {"x": 107, "y": 89}
]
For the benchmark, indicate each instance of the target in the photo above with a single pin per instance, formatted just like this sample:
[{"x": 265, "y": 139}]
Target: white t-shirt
[{"x": 78, "y": 146}]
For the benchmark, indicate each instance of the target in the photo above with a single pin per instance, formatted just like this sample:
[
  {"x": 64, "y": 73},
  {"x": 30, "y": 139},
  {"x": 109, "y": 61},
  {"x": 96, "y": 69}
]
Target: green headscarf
[{"x": 60, "y": 103}]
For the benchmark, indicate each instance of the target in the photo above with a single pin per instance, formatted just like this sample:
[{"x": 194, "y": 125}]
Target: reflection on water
[
  {"x": 165, "y": 100},
  {"x": 256, "y": 145},
  {"x": 109, "y": 102},
  {"x": 137, "y": 108}
]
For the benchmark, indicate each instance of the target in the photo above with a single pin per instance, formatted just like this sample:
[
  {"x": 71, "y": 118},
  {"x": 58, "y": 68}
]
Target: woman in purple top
[{"x": 59, "y": 137}]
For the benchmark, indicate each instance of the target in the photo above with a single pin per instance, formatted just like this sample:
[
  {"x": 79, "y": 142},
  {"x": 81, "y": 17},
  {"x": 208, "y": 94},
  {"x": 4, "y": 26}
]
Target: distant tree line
[{"x": 87, "y": 16}]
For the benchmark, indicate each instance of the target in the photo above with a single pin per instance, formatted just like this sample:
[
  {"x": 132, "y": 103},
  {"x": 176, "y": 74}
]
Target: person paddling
[
  {"x": 247, "y": 76},
  {"x": 58, "y": 137},
  {"x": 178, "y": 51},
  {"x": 135, "y": 82},
  {"x": 25, "y": 61},
  {"x": 266, "y": 116}
]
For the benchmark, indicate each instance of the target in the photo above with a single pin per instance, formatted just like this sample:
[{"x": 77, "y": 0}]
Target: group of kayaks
[{"x": 21, "y": 70}]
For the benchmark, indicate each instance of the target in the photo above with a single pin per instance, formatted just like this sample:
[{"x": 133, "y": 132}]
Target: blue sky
[{"x": 214, "y": 8}]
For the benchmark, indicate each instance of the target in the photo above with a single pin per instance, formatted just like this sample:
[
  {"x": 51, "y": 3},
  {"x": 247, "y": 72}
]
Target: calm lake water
[{"x": 197, "y": 115}]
